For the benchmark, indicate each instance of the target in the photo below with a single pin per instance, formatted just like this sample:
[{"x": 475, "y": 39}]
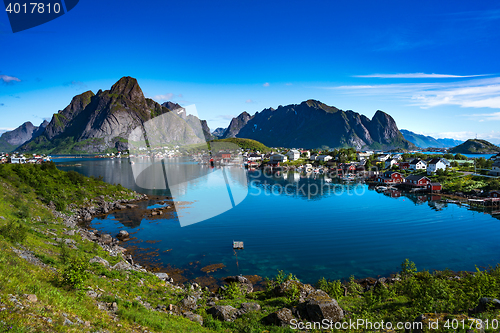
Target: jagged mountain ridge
[
  {"x": 219, "y": 132},
  {"x": 99, "y": 122},
  {"x": 312, "y": 124},
  {"x": 236, "y": 125},
  {"x": 10, "y": 140}
]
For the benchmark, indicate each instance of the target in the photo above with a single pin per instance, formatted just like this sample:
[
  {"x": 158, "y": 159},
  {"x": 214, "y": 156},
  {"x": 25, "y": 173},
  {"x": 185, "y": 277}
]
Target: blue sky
[{"x": 432, "y": 65}]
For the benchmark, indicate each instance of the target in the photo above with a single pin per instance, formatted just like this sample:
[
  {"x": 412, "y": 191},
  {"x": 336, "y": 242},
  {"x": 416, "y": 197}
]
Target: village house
[
  {"x": 397, "y": 157},
  {"x": 418, "y": 164},
  {"x": 17, "y": 160},
  {"x": 383, "y": 157},
  {"x": 390, "y": 177},
  {"x": 278, "y": 158},
  {"x": 417, "y": 181},
  {"x": 293, "y": 155},
  {"x": 390, "y": 162},
  {"x": 324, "y": 158},
  {"x": 364, "y": 155},
  {"x": 494, "y": 194},
  {"x": 495, "y": 168},
  {"x": 434, "y": 187},
  {"x": 254, "y": 157},
  {"x": 437, "y": 164},
  {"x": 404, "y": 165}
]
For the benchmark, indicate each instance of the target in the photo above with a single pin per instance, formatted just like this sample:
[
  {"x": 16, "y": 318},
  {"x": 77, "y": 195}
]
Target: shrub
[
  {"x": 16, "y": 232},
  {"x": 232, "y": 291},
  {"x": 75, "y": 274},
  {"x": 332, "y": 288}
]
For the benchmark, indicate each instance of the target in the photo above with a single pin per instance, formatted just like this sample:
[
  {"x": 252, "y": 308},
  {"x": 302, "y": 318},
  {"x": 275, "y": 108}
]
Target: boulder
[
  {"x": 194, "y": 317},
  {"x": 106, "y": 239},
  {"x": 32, "y": 298},
  {"x": 288, "y": 287},
  {"x": 282, "y": 317},
  {"x": 222, "y": 312},
  {"x": 118, "y": 206},
  {"x": 122, "y": 265},
  {"x": 484, "y": 304},
  {"x": 99, "y": 260},
  {"x": 320, "y": 306},
  {"x": 249, "y": 307},
  {"x": 189, "y": 303},
  {"x": 245, "y": 285},
  {"x": 86, "y": 216},
  {"x": 162, "y": 276},
  {"x": 122, "y": 234}
]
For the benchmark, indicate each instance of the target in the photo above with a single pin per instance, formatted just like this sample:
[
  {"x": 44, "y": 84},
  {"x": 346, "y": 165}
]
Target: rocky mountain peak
[{"x": 128, "y": 87}]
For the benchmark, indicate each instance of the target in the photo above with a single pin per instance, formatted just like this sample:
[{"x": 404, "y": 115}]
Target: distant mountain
[
  {"x": 10, "y": 140},
  {"x": 312, "y": 124},
  {"x": 99, "y": 122},
  {"x": 475, "y": 146},
  {"x": 450, "y": 142},
  {"x": 236, "y": 125},
  {"x": 424, "y": 141},
  {"x": 219, "y": 132}
]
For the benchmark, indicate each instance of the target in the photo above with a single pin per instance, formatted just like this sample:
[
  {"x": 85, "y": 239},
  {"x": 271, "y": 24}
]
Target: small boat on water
[{"x": 381, "y": 188}]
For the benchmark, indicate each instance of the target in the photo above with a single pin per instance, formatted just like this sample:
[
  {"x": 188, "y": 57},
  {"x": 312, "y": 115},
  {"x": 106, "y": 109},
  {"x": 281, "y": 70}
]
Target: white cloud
[
  {"x": 266, "y": 84},
  {"x": 168, "y": 97},
  {"x": 417, "y": 76},
  {"x": 9, "y": 79},
  {"x": 472, "y": 93},
  {"x": 288, "y": 84},
  {"x": 249, "y": 101},
  {"x": 492, "y": 136}
]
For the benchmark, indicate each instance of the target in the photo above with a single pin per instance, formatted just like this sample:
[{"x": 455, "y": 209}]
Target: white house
[
  {"x": 324, "y": 158},
  {"x": 364, "y": 155},
  {"x": 293, "y": 155},
  {"x": 435, "y": 164},
  {"x": 254, "y": 157},
  {"x": 383, "y": 157},
  {"x": 278, "y": 158},
  {"x": 417, "y": 164},
  {"x": 18, "y": 160},
  {"x": 495, "y": 168},
  {"x": 390, "y": 162}
]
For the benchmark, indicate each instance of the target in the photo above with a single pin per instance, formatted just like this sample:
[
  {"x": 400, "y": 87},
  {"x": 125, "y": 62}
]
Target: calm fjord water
[{"x": 347, "y": 230}]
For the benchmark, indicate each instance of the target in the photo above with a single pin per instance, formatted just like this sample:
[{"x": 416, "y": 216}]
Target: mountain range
[
  {"x": 313, "y": 124},
  {"x": 10, "y": 140},
  {"x": 103, "y": 121},
  {"x": 424, "y": 141}
]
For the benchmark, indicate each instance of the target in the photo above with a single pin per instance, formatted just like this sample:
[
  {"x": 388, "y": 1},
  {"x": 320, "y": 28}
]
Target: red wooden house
[
  {"x": 404, "y": 165},
  {"x": 434, "y": 187},
  {"x": 390, "y": 177},
  {"x": 495, "y": 194},
  {"x": 417, "y": 181}
]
